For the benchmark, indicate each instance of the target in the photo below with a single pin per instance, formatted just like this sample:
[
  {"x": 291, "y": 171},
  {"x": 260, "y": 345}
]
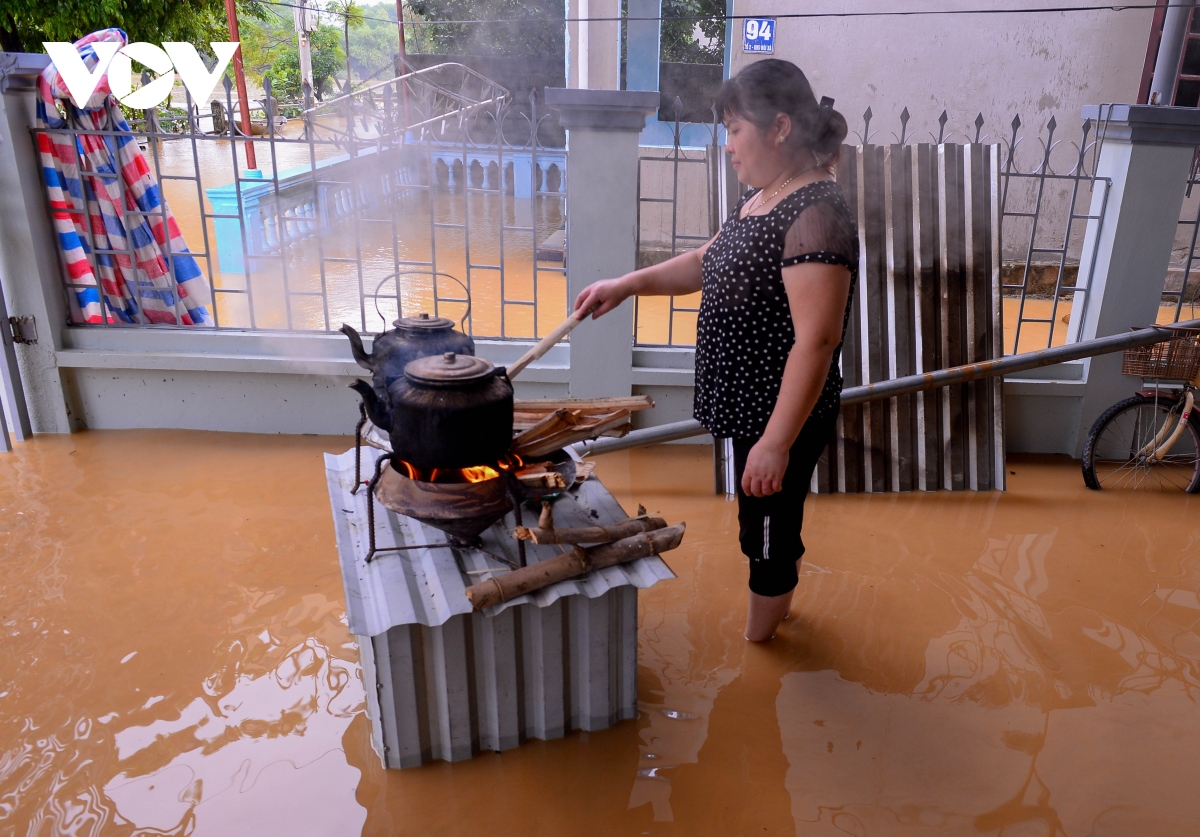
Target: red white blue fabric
[{"x": 99, "y": 187}]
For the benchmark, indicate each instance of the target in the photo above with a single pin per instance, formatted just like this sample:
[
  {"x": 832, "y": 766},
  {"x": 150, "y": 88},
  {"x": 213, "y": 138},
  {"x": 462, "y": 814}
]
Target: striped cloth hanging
[{"x": 105, "y": 183}]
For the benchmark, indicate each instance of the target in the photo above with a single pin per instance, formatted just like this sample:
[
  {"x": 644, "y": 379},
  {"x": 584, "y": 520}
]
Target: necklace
[{"x": 761, "y": 203}]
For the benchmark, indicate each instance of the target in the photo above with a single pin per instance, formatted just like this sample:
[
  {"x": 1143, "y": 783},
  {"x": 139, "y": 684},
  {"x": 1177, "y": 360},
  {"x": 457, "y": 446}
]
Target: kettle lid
[
  {"x": 424, "y": 322},
  {"x": 449, "y": 369}
]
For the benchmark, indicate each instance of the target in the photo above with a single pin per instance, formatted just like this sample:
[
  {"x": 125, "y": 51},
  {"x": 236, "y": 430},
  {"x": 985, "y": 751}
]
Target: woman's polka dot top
[{"x": 745, "y": 332}]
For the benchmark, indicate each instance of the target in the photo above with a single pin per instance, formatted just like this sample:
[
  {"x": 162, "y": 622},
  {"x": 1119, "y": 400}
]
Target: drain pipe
[
  {"x": 1170, "y": 51},
  {"x": 917, "y": 383}
]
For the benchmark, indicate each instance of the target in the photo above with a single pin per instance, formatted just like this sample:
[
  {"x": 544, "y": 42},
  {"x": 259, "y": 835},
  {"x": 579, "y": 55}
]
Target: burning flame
[
  {"x": 480, "y": 473},
  {"x": 510, "y": 462},
  {"x": 474, "y": 474}
]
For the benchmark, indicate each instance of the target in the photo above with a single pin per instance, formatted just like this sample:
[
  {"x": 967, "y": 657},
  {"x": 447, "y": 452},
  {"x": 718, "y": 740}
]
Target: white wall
[{"x": 1001, "y": 65}]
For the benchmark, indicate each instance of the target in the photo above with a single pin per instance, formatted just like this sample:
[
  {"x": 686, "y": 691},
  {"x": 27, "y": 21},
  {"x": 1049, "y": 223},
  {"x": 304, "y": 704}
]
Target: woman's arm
[
  {"x": 817, "y": 298},
  {"x": 676, "y": 276}
]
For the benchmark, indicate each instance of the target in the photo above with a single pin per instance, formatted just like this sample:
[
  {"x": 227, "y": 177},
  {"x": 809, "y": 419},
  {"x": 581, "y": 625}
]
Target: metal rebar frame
[
  {"x": 370, "y": 154},
  {"x": 1061, "y": 248},
  {"x": 676, "y": 158},
  {"x": 1189, "y": 283},
  {"x": 1043, "y": 213}
]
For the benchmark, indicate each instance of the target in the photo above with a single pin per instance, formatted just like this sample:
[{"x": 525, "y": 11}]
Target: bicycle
[{"x": 1152, "y": 439}]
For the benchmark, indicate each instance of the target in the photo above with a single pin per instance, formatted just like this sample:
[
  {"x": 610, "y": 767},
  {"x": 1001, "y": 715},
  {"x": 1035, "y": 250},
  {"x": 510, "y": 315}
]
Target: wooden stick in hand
[{"x": 546, "y": 343}]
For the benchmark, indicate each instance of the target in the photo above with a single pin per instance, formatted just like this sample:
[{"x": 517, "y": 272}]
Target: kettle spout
[
  {"x": 361, "y": 357},
  {"x": 377, "y": 411}
]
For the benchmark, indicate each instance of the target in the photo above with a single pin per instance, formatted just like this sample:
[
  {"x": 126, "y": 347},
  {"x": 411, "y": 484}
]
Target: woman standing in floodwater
[{"x": 777, "y": 282}]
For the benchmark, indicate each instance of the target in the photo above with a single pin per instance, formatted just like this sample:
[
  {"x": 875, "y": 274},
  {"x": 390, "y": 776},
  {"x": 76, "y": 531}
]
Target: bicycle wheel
[{"x": 1112, "y": 457}]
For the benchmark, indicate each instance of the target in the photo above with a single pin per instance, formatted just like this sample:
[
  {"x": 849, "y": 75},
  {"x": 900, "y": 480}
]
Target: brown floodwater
[{"x": 175, "y": 660}]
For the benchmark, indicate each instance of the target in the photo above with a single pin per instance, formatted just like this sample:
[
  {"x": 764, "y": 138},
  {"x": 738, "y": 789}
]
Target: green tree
[
  {"x": 327, "y": 59},
  {"x": 351, "y": 15},
  {"x": 372, "y": 48},
  {"x": 538, "y": 29},
  {"x": 270, "y": 50},
  {"x": 24, "y": 24},
  {"x": 682, "y": 20}
]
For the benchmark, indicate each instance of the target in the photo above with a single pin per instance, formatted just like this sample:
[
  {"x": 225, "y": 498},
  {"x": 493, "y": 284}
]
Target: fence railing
[
  {"x": 1182, "y": 288},
  {"x": 414, "y": 194},
  {"x": 678, "y": 210},
  {"x": 1046, "y": 194}
]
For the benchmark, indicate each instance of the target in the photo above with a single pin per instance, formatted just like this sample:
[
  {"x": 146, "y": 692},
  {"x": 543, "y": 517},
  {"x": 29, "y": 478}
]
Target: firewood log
[
  {"x": 563, "y": 428},
  {"x": 541, "y": 479},
  {"x": 572, "y": 564},
  {"x": 590, "y": 534},
  {"x": 590, "y": 406}
]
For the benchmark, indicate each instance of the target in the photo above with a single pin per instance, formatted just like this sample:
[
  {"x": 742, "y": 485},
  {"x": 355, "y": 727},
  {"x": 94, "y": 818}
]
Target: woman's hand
[
  {"x": 603, "y": 296},
  {"x": 765, "y": 466}
]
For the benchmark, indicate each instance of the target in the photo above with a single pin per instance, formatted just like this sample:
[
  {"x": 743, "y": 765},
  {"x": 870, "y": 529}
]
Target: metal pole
[
  {"x": 402, "y": 69},
  {"x": 1170, "y": 50},
  {"x": 304, "y": 18},
  {"x": 918, "y": 383},
  {"x": 239, "y": 76},
  {"x": 1156, "y": 31},
  {"x": 400, "y": 26},
  {"x": 306, "y": 76}
]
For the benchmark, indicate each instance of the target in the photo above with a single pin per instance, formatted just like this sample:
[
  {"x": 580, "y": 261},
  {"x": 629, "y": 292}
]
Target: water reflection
[
  {"x": 175, "y": 661},
  {"x": 159, "y": 679}
]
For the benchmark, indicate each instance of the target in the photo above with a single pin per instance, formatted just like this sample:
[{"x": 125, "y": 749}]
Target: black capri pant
[{"x": 770, "y": 526}]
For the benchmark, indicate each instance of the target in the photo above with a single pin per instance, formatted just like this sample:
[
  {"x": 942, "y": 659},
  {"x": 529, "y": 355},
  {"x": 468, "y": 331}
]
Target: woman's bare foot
[{"x": 764, "y": 615}]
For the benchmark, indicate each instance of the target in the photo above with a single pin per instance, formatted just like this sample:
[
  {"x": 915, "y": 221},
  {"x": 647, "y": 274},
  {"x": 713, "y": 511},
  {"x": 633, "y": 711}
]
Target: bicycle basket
[{"x": 1177, "y": 359}]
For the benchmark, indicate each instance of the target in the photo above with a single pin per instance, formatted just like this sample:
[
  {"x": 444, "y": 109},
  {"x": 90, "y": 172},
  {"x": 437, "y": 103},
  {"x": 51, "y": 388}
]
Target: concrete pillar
[
  {"x": 29, "y": 260},
  {"x": 1147, "y": 154},
  {"x": 602, "y": 160}
]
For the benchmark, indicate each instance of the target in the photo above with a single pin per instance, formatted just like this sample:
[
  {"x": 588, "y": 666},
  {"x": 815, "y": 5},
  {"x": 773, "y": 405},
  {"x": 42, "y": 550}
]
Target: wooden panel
[
  {"x": 928, "y": 298},
  {"x": 926, "y": 325}
]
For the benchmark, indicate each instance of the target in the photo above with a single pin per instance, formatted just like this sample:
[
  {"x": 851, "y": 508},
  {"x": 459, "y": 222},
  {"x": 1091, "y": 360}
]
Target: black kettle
[
  {"x": 449, "y": 411},
  {"x": 412, "y": 338}
]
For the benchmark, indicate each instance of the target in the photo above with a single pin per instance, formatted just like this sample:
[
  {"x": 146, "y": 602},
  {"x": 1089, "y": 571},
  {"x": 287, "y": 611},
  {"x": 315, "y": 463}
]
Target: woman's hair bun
[{"x": 772, "y": 86}]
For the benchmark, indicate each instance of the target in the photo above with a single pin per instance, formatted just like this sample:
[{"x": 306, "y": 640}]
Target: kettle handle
[{"x": 434, "y": 273}]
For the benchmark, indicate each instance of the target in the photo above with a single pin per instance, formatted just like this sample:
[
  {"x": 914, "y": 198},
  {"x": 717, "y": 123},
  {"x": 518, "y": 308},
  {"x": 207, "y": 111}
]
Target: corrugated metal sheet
[
  {"x": 928, "y": 298},
  {"x": 426, "y": 586},
  {"x": 444, "y": 682}
]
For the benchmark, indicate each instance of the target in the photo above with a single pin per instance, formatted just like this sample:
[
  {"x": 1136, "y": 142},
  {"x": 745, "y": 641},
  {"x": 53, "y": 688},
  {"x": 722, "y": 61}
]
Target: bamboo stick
[
  {"x": 572, "y": 564},
  {"x": 546, "y": 343},
  {"x": 590, "y": 534}
]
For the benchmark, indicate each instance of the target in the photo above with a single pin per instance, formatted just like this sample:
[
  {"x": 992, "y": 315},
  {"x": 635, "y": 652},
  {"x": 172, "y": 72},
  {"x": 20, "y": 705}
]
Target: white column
[
  {"x": 594, "y": 44},
  {"x": 602, "y": 159}
]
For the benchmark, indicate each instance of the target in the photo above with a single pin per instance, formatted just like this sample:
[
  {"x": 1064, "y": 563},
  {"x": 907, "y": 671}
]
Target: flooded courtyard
[
  {"x": 175, "y": 660},
  {"x": 321, "y": 283}
]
